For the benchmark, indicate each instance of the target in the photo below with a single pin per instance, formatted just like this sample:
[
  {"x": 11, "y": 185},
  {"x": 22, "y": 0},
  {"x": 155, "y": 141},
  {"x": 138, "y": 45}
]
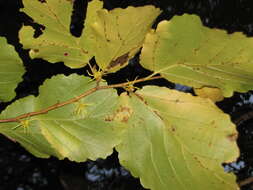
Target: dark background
[{"x": 19, "y": 170}]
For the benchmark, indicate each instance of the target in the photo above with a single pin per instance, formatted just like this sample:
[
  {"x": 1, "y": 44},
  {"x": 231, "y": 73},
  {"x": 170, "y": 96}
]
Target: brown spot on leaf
[
  {"x": 36, "y": 50},
  {"x": 195, "y": 51},
  {"x": 66, "y": 54},
  {"x": 122, "y": 114},
  {"x": 119, "y": 61},
  {"x": 232, "y": 137}
]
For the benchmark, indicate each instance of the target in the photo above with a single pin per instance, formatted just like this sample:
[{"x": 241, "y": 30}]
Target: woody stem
[{"x": 75, "y": 99}]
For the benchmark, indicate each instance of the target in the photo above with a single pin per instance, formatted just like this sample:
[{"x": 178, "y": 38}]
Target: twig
[
  {"x": 245, "y": 181},
  {"x": 75, "y": 99}
]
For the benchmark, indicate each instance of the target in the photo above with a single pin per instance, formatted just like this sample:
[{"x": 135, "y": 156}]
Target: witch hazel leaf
[
  {"x": 110, "y": 36},
  {"x": 176, "y": 140},
  {"x": 119, "y": 34},
  {"x": 214, "y": 94},
  {"x": 56, "y": 43},
  {"x": 29, "y": 137},
  {"x": 186, "y": 52},
  {"x": 11, "y": 70},
  {"x": 77, "y": 131}
]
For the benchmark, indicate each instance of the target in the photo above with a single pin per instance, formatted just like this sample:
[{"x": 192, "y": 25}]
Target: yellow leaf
[{"x": 214, "y": 94}]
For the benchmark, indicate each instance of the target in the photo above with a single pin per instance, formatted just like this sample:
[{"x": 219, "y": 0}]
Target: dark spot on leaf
[
  {"x": 42, "y": 1},
  {"x": 195, "y": 51},
  {"x": 66, "y": 54},
  {"x": 119, "y": 61},
  {"x": 36, "y": 50},
  {"x": 232, "y": 137},
  {"x": 108, "y": 118}
]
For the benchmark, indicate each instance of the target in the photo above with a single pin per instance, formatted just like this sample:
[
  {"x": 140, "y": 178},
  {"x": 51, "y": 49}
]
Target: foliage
[
  {"x": 11, "y": 71},
  {"x": 170, "y": 139},
  {"x": 209, "y": 58}
]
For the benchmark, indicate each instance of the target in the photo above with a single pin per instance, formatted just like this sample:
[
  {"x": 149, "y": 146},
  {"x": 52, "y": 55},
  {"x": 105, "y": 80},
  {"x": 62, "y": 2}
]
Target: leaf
[
  {"x": 11, "y": 70},
  {"x": 119, "y": 34},
  {"x": 177, "y": 141},
  {"x": 31, "y": 138},
  {"x": 56, "y": 43},
  {"x": 213, "y": 94},
  {"x": 186, "y": 52},
  {"x": 77, "y": 131},
  {"x": 112, "y": 36}
]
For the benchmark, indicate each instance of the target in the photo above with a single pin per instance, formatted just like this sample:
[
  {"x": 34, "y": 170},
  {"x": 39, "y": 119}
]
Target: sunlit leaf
[
  {"x": 56, "y": 43},
  {"x": 112, "y": 36},
  {"x": 77, "y": 131},
  {"x": 177, "y": 141},
  {"x": 214, "y": 94},
  {"x": 119, "y": 34},
  {"x": 11, "y": 70},
  {"x": 186, "y": 52}
]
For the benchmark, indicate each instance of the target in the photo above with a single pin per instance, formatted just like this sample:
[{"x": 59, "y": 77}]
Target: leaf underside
[
  {"x": 77, "y": 131},
  {"x": 186, "y": 52}
]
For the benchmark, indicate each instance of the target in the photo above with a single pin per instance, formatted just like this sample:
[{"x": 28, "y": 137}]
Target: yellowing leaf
[
  {"x": 11, "y": 70},
  {"x": 177, "y": 141},
  {"x": 112, "y": 36},
  {"x": 213, "y": 94},
  {"x": 56, "y": 43},
  {"x": 119, "y": 34},
  {"x": 66, "y": 132},
  {"x": 186, "y": 52}
]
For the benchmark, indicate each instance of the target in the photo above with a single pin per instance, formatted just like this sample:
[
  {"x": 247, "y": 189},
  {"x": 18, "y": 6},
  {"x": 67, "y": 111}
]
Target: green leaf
[
  {"x": 186, "y": 52},
  {"x": 31, "y": 137},
  {"x": 77, "y": 131},
  {"x": 119, "y": 34},
  {"x": 11, "y": 70},
  {"x": 177, "y": 141},
  {"x": 56, "y": 43}
]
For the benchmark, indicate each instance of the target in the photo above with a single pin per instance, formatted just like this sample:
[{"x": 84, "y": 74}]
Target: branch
[
  {"x": 245, "y": 181},
  {"x": 75, "y": 99}
]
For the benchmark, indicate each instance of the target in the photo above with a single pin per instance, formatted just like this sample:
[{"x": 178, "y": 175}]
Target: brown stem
[
  {"x": 72, "y": 100},
  {"x": 245, "y": 181}
]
